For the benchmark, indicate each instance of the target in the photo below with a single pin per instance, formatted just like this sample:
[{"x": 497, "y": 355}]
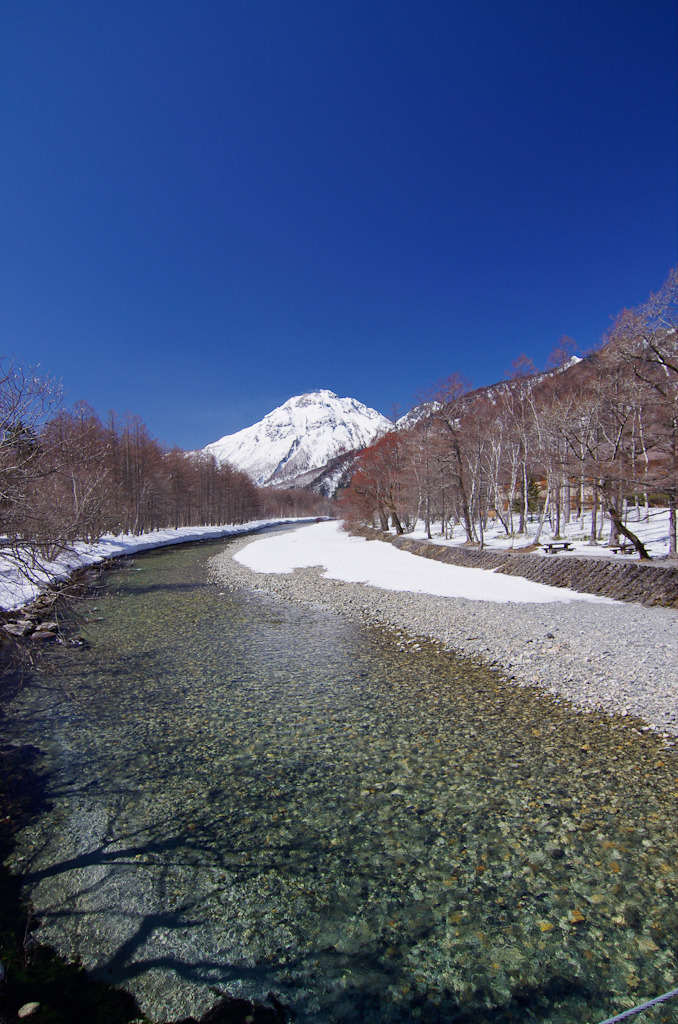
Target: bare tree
[
  {"x": 26, "y": 402},
  {"x": 376, "y": 490},
  {"x": 646, "y": 338}
]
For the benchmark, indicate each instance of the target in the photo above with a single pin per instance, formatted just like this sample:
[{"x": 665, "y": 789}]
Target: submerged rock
[{"x": 22, "y": 627}]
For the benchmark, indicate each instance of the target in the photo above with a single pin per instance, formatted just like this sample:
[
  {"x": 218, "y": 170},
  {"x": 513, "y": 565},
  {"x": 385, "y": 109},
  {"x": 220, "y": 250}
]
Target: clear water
[{"x": 253, "y": 797}]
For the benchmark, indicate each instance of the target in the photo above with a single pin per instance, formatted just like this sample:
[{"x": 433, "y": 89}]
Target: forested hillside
[{"x": 596, "y": 433}]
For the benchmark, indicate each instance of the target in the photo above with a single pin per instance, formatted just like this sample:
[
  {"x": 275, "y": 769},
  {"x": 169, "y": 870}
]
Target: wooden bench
[
  {"x": 554, "y": 546},
  {"x": 624, "y": 548}
]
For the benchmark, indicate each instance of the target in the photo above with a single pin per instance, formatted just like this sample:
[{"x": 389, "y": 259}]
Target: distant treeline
[
  {"x": 66, "y": 475},
  {"x": 594, "y": 434}
]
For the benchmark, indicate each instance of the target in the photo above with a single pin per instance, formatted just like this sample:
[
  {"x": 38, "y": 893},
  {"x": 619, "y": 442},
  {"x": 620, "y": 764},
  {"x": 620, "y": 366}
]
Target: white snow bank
[
  {"x": 651, "y": 526},
  {"x": 355, "y": 560},
  {"x": 17, "y": 590}
]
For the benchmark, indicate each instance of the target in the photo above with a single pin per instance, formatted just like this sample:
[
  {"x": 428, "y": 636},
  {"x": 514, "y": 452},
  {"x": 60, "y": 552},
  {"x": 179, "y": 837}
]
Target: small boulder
[
  {"x": 43, "y": 635},
  {"x": 22, "y": 627},
  {"x": 45, "y": 632}
]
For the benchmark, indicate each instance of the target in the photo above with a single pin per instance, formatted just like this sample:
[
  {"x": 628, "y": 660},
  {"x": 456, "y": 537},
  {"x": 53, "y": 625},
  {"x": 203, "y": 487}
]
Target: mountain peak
[
  {"x": 302, "y": 434},
  {"x": 311, "y": 398}
]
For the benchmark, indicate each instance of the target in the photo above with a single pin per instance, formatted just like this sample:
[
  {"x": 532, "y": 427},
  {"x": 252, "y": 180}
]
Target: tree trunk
[
  {"x": 614, "y": 529},
  {"x": 542, "y": 517},
  {"x": 556, "y": 509},
  {"x": 616, "y": 518},
  {"x": 524, "y": 506},
  {"x": 594, "y": 515},
  {"x": 396, "y": 522},
  {"x": 672, "y": 526}
]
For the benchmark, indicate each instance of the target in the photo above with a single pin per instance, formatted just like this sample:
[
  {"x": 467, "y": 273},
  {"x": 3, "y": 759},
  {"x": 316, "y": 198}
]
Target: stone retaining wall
[{"x": 650, "y": 583}]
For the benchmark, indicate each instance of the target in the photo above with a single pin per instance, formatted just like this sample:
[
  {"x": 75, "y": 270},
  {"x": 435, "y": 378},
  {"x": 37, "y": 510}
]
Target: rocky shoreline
[{"x": 620, "y": 658}]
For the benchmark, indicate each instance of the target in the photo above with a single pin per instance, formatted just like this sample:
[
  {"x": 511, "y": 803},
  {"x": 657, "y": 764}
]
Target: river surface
[{"x": 250, "y": 796}]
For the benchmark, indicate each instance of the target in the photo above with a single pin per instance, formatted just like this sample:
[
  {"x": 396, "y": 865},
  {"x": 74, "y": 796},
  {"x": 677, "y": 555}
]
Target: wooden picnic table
[{"x": 554, "y": 546}]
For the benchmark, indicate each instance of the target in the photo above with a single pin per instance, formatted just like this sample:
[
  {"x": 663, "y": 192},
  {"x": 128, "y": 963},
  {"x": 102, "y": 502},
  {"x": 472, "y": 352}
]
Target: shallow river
[{"x": 253, "y": 797}]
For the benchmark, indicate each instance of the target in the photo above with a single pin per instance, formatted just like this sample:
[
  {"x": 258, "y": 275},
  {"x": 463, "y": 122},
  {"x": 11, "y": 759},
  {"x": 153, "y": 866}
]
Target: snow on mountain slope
[{"x": 301, "y": 435}]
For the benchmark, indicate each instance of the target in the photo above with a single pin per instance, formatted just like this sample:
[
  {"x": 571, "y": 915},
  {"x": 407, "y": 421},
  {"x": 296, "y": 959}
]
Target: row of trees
[
  {"x": 65, "y": 475},
  {"x": 594, "y": 434}
]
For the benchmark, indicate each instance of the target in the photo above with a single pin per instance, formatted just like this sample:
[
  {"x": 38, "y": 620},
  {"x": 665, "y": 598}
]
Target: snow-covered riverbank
[
  {"x": 620, "y": 658},
  {"x": 21, "y": 582}
]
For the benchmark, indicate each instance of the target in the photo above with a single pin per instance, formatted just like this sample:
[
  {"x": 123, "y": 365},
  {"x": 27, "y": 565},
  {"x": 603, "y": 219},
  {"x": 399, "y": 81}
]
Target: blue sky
[{"x": 211, "y": 205}]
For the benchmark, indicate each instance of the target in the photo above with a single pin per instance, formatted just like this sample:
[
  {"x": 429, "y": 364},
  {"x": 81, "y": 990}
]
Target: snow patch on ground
[
  {"x": 355, "y": 560},
  {"x": 651, "y": 527}
]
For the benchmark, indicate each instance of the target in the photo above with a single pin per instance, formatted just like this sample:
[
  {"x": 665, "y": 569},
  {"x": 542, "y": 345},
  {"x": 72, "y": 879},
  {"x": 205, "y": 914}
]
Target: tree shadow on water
[
  {"x": 151, "y": 940},
  {"x": 32, "y": 972},
  {"x": 35, "y": 973},
  {"x": 372, "y": 999}
]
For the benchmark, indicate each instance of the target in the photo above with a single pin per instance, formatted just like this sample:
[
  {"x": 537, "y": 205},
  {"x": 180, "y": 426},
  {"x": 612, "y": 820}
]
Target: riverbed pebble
[
  {"x": 621, "y": 658},
  {"x": 28, "y": 1010}
]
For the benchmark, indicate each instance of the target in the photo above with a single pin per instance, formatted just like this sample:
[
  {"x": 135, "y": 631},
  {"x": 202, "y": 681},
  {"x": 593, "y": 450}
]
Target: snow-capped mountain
[{"x": 303, "y": 434}]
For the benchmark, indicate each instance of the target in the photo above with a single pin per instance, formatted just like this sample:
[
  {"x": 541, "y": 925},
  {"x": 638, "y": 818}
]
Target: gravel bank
[{"x": 620, "y": 658}]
